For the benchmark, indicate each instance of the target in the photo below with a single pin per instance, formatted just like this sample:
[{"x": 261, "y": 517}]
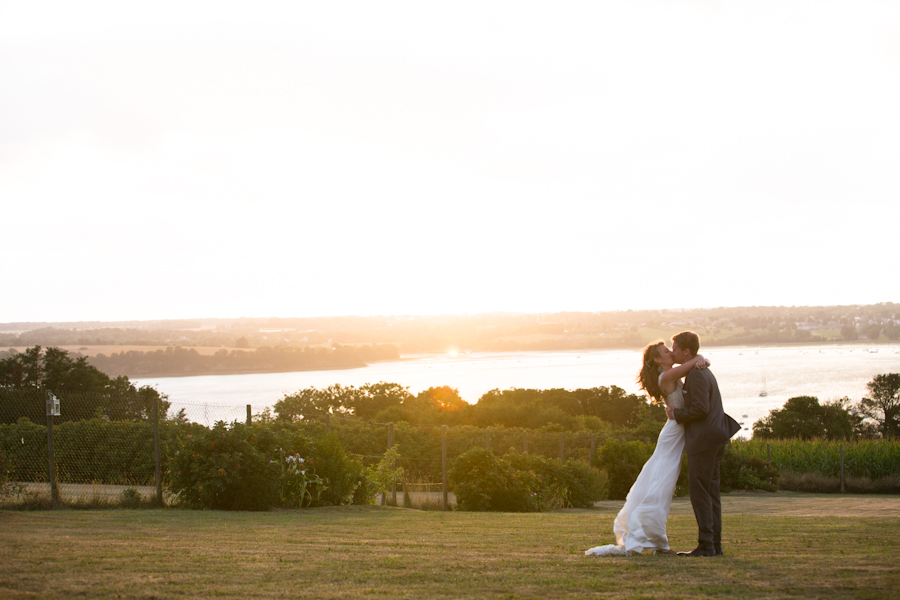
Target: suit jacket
[{"x": 706, "y": 426}]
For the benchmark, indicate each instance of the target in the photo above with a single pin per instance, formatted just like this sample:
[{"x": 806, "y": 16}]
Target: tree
[
  {"x": 848, "y": 332},
  {"x": 372, "y": 398},
  {"x": 872, "y": 331},
  {"x": 892, "y": 332},
  {"x": 804, "y": 418},
  {"x": 443, "y": 398},
  {"x": 883, "y": 403},
  {"x": 84, "y": 390},
  {"x": 306, "y": 403},
  {"x": 611, "y": 404}
]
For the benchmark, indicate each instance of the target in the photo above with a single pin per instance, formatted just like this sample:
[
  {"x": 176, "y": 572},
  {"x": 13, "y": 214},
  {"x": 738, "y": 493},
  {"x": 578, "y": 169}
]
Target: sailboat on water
[{"x": 763, "y": 393}]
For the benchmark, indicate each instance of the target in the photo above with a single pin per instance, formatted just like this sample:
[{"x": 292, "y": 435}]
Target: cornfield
[{"x": 873, "y": 459}]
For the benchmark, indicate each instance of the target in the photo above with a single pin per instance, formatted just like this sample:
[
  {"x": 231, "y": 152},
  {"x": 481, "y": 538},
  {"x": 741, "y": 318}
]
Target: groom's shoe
[
  {"x": 698, "y": 551},
  {"x": 719, "y": 551}
]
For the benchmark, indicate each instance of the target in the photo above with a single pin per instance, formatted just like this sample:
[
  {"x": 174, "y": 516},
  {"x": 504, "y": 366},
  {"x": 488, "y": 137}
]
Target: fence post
[
  {"x": 562, "y": 456},
  {"x": 768, "y": 453},
  {"x": 391, "y": 445},
  {"x": 249, "y": 416},
  {"x": 444, "y": 462},
  {"x": 842, "y": 468},
  {"x": 593, "y": 447},
  {"x": 51, "y": 463},
  {"x": 487, "y": 439},
  {"x": 159, "y": 496},
  {"x": 525, "y": 441}
]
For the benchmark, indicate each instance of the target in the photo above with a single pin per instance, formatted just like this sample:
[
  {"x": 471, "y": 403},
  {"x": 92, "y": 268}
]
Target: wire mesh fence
[{"x": 84, "y": 456}]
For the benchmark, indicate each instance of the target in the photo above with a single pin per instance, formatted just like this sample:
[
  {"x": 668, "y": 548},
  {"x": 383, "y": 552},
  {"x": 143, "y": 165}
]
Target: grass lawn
[{"x": 777, "y": 546}]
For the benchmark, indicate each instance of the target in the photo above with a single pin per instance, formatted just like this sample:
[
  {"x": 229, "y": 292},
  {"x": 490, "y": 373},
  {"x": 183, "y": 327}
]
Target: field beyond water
[{"x": 777, "y": 546}]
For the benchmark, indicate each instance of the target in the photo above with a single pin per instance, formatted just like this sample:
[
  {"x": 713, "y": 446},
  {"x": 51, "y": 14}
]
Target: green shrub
[
  {"x": 341, "y": 472},
  {"x": 220, "y": 469},
  {"x": 300, "y": 486},
  {"x": 483, "y": 481},
  {"x": 367, "y": 488},
  {"x": 255, "y": 468},
  {"x": 623, "y": 462},
  {"x": 586, "y": 484},
  {"x": 523, "y": 482},
  {"x": 573, "y": 484},
  {"x": 747, "y": 472},
  {"x": 131, "y": 498}
]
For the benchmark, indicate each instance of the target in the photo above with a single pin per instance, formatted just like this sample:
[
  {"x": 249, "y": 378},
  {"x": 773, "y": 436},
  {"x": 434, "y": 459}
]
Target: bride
[{"x": 641, "y": 524}]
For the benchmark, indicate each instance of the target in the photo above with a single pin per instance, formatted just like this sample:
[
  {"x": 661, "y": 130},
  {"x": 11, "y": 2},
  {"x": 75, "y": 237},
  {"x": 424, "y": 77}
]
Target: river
[{"x": 827, "y": 372}]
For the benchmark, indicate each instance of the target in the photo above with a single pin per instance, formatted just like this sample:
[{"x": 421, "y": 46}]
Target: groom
[{"x": 706, "y": 430}]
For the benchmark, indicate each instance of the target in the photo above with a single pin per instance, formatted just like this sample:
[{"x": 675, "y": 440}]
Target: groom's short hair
[{"x": 688, "y": 340}]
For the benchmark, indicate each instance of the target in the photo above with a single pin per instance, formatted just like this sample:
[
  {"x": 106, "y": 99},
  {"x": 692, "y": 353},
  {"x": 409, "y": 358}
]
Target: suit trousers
[{"x": 703, "y": 475}]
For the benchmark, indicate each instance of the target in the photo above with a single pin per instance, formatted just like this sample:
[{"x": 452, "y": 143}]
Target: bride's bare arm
[{"x": 678, "y": 371}]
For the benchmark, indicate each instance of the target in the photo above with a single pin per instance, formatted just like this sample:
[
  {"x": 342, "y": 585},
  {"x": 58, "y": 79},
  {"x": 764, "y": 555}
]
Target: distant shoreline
[
  {"x": 480, "y": 354},
  {"x": 241, "y": 372}
]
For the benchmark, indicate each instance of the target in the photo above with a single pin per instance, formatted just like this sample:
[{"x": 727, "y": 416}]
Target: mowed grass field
[{"x": 777, "y": 546}]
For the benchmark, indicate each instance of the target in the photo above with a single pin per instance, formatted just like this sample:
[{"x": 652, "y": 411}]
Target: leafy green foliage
[
  {"x": 92, "y": 450},
  {"x": 572, "y": 484},
  {"x": 300, "y": 487},
  {"x": 388, "y": 473},
  {"x": 804, "y": 418},
  {"x": 872, "y": 459},
  {"x": 341, "y": 472},
  {"x": 883, "y": 403},
  {"x": 741, "y": 471},
  {"x": 623, "y": 462},
  {"x": 220, "y": 468},
  {"x": 522, "y": 482},
  {"x": 483, "y": 481},
  {"x": 365, "y": 401},
  {"x": 25, "y": 378},
  {"x": 254, "y": 468}
]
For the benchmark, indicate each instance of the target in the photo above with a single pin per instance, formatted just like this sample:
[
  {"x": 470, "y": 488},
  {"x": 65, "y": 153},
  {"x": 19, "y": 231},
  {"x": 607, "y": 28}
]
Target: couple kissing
[{"x": 697, "y": 424}]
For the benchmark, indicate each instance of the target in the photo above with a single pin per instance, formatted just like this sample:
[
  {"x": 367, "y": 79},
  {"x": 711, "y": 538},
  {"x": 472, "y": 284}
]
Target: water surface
[{"x": 826, "y": 372}]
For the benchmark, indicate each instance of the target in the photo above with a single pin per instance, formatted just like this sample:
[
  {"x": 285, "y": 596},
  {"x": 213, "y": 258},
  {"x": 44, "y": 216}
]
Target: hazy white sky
[{"x": 191, "y": 159}]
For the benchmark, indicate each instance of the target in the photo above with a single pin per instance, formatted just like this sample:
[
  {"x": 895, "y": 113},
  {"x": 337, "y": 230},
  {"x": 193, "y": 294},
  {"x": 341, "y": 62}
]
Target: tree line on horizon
[
  {"x": 187, "y": 361},
  {"x": 486, "y": 332}
]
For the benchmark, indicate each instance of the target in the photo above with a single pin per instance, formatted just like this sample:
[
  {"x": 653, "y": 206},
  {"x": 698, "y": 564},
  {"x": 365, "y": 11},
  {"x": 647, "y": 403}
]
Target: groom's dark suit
[{"x": 706, "y": 430}]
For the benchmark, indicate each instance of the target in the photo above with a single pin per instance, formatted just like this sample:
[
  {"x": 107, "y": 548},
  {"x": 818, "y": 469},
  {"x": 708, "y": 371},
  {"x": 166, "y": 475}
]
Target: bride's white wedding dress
[{"x": 641, "y": 524}]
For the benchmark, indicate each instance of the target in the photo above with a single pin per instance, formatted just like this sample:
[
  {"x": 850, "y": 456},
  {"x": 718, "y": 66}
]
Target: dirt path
[{"x": 789, "y": 504}]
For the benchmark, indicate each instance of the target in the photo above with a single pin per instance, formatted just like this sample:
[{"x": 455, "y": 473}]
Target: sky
[{"x": 225, "y": 159}]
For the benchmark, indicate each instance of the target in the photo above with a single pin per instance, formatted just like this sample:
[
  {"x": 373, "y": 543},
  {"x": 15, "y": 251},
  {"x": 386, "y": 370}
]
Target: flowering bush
[
  {"x": 299, "y": 485},
  {"x": 220, "y": 468},
  {"x": 255, "y": 468}
]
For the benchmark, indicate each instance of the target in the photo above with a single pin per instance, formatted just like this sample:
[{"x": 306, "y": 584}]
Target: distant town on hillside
[{"x": 413, "y": 334}]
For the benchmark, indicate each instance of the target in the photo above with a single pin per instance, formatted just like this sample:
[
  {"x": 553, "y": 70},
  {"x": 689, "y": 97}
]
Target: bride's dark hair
[{"x": 648, "y": 378}]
